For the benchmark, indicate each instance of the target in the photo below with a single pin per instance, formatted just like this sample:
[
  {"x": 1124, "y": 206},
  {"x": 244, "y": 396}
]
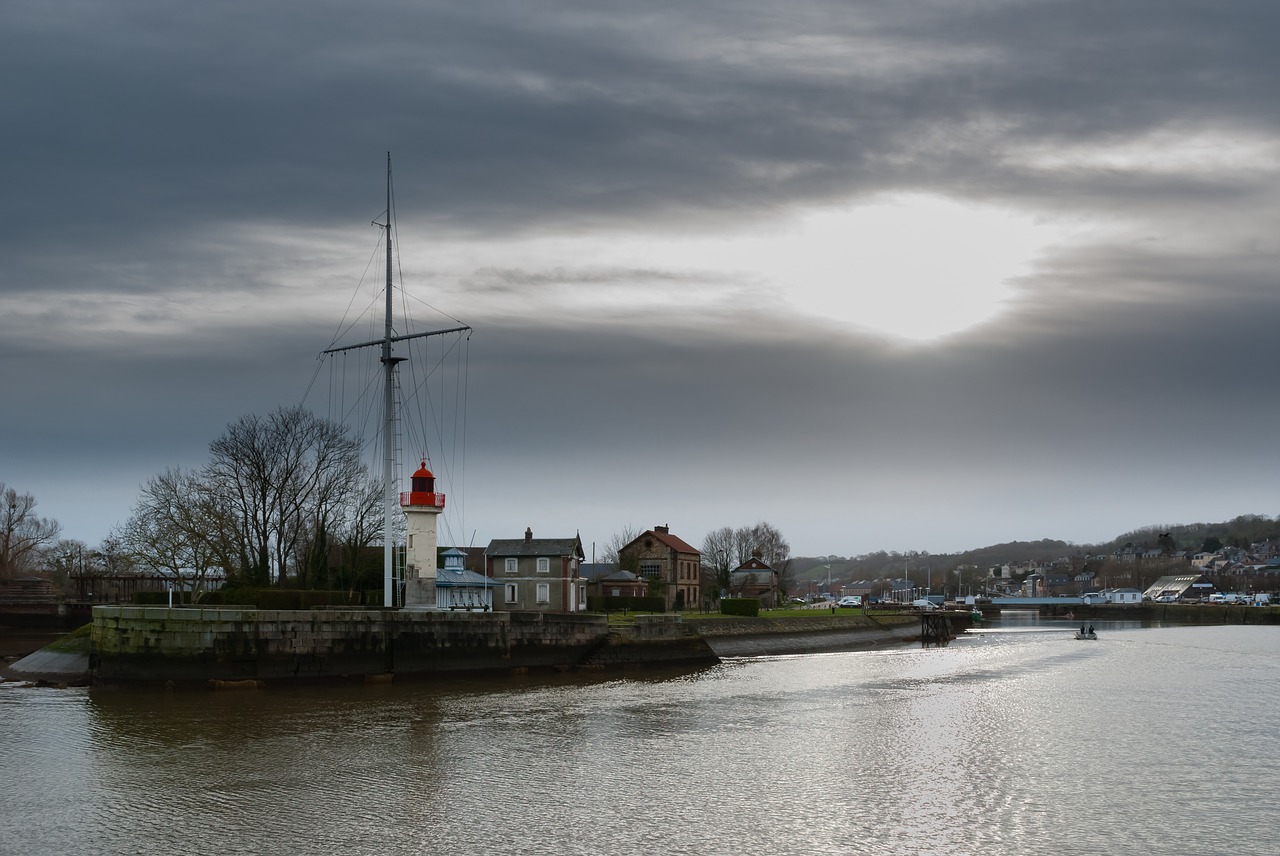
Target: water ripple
[{"x": 998, "y": 744}]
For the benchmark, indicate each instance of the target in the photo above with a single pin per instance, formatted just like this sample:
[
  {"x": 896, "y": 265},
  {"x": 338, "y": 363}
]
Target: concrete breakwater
[
  {"x": 239, "y": 646},
  {"x": 148, "y": 645},
  {"x": 757, "y": 637}
]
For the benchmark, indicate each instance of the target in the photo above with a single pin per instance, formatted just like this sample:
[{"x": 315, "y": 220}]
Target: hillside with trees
[{"x": 1173, "y": 541}]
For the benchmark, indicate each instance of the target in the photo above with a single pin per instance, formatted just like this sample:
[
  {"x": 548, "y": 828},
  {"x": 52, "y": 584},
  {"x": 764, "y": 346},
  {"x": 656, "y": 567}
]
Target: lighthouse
[{"x": 421, "y": 505}]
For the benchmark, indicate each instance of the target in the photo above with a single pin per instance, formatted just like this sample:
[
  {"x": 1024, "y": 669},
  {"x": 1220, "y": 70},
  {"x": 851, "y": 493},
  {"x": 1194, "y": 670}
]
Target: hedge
[
  {"x": 599, "y": 603},
  {"x": 739, "y": 606},
  {"x": 266, "y": 598}
]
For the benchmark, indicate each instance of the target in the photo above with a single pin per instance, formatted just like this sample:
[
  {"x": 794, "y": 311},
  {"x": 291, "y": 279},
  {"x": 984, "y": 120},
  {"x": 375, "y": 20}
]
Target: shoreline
[{"x": 652, "y": 640}]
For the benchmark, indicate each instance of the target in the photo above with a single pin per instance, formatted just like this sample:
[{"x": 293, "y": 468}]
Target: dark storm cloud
[
  {"x": 523, "y": 281},
  {"x": 144, "y": 119},
  {"x": 148, "y": 145}
]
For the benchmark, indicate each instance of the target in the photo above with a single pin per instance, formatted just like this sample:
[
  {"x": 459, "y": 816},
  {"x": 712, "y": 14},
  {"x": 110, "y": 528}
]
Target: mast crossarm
[{"x": 396, "y": 339}]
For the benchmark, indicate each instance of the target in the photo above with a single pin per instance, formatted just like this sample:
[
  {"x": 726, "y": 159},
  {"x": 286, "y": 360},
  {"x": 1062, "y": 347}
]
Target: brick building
[{"x": 659, "y": 555}]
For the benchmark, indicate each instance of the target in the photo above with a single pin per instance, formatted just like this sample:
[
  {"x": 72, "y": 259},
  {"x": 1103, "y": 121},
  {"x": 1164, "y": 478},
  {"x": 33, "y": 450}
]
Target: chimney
[
  {"x": 528, "y": 533},
  {"x": 664, "y": 529}
]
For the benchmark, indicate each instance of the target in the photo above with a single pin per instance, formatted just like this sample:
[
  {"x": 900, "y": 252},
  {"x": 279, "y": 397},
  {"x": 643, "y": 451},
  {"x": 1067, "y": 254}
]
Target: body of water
[{"x": 1015, "y": 739}]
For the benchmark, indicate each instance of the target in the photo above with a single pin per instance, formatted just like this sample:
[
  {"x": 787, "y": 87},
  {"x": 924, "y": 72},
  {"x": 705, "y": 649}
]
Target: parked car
[
  {"x": 923, "y": 603},
  {"x": 851, "y": 600}
]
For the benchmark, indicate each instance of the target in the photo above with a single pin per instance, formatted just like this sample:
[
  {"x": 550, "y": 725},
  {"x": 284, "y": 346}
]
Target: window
[
  {"x": 544, "y": 565},
  {"x": 511, "y": 565},
  {"x": 511, "y": 593},
  {"x": 650, "y": 570},
  {"x": 544, "y": 592}
]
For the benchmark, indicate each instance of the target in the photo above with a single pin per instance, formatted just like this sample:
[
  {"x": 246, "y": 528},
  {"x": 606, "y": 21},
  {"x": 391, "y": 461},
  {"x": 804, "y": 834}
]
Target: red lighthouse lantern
[{"x": 422, "y": 490}]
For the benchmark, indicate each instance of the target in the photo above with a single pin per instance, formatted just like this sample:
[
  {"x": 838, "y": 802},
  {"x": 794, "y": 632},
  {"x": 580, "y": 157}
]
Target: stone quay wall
[
  {"x": 652, "y": 640},
  {"x": 810, "y": 634},
  {"x": 157, "y": 644}
]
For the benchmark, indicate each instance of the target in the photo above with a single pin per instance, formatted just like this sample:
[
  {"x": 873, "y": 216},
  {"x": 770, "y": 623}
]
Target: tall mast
[
  {"x": 390, "y": 494},
  {"x": 389, "y": 499}
]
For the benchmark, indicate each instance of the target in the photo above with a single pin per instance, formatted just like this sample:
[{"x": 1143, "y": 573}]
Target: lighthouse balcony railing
[{"x": 428, "y": 499}]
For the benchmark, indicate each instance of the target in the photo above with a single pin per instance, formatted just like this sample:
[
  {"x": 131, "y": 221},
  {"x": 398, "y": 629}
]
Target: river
[{"x": 1014, "y": 739}]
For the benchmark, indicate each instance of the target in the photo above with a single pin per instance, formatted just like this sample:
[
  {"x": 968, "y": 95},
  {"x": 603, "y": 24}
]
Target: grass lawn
[
  {"x": 75, "y": 642},
  {"x": 783, "y": 612}
]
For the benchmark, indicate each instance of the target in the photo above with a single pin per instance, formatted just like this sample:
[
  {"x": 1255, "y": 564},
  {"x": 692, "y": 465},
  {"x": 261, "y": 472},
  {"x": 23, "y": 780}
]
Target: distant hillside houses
[
  {"x": 1133, "y": 564},
  {"x": 1259, "y": 558},
  {"x": 1117, "y": 574}
]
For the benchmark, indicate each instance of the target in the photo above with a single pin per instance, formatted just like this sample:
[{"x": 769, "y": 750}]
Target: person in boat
[
  {"x": 1090, "y": 629},
  {"x": 1081, "y": 629}
]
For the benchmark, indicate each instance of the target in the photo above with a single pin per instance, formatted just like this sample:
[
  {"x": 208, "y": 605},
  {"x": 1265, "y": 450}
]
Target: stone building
[
  {"x": 672, "y": 564},
  {"x": 537, "y": 573},
  {"x": 753, "y": 578}
]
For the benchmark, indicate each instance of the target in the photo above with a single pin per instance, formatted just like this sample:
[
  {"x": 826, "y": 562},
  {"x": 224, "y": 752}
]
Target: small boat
[
  {"x": 1086, "y": 634},
  {"x": 975, "y": 615}
]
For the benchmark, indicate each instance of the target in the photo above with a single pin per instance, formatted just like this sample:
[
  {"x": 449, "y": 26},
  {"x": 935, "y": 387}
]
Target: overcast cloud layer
[{"x": 889, "y": 276}]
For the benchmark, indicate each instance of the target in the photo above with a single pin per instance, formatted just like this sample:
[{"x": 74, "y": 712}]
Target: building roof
[
  {"x": 661, "y": 535},
  {"x": 462, "y": 578},
  {"x": 621, "y": 577},
  {"x": 1174, "y": 584},
  {"x": 596, "y": 570},
  {"x": 529, "y": 546}
]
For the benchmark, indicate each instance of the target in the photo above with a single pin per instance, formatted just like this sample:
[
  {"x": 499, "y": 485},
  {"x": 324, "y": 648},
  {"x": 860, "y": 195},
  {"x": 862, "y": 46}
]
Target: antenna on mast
[{"x": 390, "y": 495}]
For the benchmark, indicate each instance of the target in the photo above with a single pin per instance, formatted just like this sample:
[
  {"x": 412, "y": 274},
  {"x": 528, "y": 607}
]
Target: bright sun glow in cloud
[{"x": 915, "y": 267}]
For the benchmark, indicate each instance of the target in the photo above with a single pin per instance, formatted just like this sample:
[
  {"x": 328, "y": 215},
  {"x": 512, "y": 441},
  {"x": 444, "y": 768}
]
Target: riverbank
[
  {"x": 60, "y": 661},
  {"x": 762, "y": 637},
  {"x": 235, "y": 646},
  {"x": 1170, "y": 613}
]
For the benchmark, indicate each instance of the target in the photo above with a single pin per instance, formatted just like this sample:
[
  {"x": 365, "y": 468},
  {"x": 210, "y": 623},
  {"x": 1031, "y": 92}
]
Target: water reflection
[{"x": 1012, "y": 739}]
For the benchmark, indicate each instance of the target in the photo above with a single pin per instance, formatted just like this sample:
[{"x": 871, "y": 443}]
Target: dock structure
[{"x": 935, "y": 628}]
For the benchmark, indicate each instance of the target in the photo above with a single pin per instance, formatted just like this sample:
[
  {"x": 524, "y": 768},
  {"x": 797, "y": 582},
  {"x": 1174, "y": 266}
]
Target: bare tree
[
  {"x": 726, "y": 548},
  {"x": 283, "y": 477},
  {"x": 179, "y": 529},
  {"x": 22, "y": 533},
  {"x": 63, "y": 559},
  {"x": 610, "y": 549},
  {"x": 356, "y": 525},
  {"x": 720, "y": 555},
  {"x": 276, "y": 491},
  {"x": 773, "y": 548}
]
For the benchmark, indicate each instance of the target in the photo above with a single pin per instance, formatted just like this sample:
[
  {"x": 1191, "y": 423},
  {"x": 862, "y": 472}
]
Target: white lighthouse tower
[{"x": 422, "y": 505}]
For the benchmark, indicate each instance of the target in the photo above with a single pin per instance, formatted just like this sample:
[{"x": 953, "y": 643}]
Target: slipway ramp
[{"x": 50, "y": 667}]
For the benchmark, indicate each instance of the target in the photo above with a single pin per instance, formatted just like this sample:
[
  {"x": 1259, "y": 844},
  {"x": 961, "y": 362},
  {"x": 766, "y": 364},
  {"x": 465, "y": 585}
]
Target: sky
[{"x": 888, "y": 276}]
